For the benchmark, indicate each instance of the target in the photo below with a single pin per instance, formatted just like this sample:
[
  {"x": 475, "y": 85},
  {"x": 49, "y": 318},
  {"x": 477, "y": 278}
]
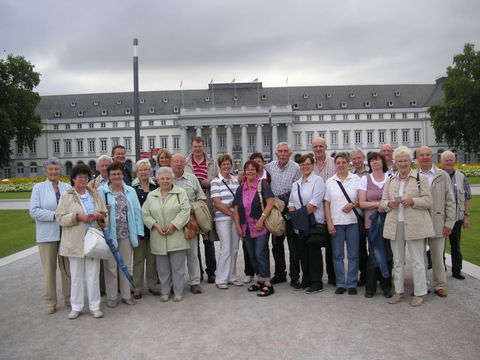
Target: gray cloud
[{"x": 87, "y": 46}]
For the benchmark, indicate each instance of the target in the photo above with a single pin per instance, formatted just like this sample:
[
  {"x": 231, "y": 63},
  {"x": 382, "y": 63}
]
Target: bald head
[
  {"x": 319, "y": 146},
  {"x": 424, "y": 157},
  {"x": 178, "y": 164},
  {"x": 387, "y": 151}
]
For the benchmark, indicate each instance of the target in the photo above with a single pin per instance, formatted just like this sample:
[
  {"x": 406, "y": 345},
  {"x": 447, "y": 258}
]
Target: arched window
[
  {"x": 33, "y": 169},
  {"x": 20, "y": 169}
]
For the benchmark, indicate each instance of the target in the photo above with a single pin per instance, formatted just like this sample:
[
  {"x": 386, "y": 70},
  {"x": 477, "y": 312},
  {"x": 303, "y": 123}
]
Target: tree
[
  {"x": 18, "y": 101},
  {"x": 457, "y": 120}
]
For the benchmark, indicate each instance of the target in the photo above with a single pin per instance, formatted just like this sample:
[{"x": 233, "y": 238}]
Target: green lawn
[
  {"x": 474, "y": 180},
  {"x": 17, "y": 231},
  {"x": 15, "y": 195}
]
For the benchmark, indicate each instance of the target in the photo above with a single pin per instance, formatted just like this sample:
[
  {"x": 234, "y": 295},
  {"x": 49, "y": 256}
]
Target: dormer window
[
  {"x": 176, "y": 109},
  {"x": 264, "y": 97},
  {"x": 207, "y": 99},
  {"x": 352, "y": 95},
  {"x": 319, "y": 105},
  {"x": 104, "y": 112},
  {"x": 96, "y": 102},
  {"x": 397, "y": 93},
  {"x": 374, "y": 94},
  {"x": 390, "y": 103},
  {"x": 73, "y": 104},
  {"x": 366, "y": 104},
  {"x": 235, "y": 98},
  {"x": 295, "y": 106},
  {"x": 151, "y": 110},
  {"x": 58, "y": 114},
  {"x": 142, "y": 101},
  {"x": 119, "y": 102},
  {"x": 80, "y": 113},
  {"x": 165, "y": 100},
  {"x": 328, "y": 95},
  {"x": 343, "y": 104},
  {"x": 128, "y": 111},
  {"x": 413, "y": 103},
  {"x": 305, "y": 96}
]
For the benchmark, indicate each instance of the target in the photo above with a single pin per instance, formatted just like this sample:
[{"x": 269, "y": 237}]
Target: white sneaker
[
  {"x": 97, "y": 314},
  {"x": 222, "y": 286},
  {"x": 73, "y": 315},
  {"x": 248, "y": 279},
  {"x": 236, "y": 283}
]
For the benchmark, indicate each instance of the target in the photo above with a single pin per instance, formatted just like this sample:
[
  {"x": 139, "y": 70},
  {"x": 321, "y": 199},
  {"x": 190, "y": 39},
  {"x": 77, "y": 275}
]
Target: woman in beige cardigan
[
  {"x": 406, "y": 199},
  {"x": 79, "y": 209}
]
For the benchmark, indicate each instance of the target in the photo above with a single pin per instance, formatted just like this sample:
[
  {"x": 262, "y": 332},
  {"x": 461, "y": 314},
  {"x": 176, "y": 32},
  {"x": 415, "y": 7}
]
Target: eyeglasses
[{"x": 305, "y": 164}]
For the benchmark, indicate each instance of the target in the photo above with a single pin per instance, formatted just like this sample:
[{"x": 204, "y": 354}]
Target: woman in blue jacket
[
  {"x": 43, "y": 203},
  {"x": 125, "y": 226}
]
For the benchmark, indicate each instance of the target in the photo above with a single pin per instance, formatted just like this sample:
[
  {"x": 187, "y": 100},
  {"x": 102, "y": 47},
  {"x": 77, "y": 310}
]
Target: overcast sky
[{"x": 86, "y": 46}]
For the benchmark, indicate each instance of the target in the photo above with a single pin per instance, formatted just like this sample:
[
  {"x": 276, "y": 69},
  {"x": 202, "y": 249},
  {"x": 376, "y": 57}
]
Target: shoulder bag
[
  {"x": 318, "y": 232},
  {"x": 274, "y": 221}
]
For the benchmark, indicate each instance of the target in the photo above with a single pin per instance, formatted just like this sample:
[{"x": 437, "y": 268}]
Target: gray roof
[{"x": 249, "y": 94}]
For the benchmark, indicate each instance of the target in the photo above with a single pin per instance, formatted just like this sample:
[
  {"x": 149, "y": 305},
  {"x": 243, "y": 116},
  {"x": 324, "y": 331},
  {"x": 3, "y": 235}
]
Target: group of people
[{"x": 383, "y": 203}]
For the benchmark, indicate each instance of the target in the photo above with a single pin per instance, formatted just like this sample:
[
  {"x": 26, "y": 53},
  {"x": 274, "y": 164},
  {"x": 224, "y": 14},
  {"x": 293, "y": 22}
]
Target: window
[
  {"x": 352, "y": 94},
  {"x": 393, "y": 136},
  {"x": 208, "y": 141},
  {"x": 79, "y": 146},
  {"x": 128, "y": 111},
  {"x": 236, "y": 141},
  {"x": 163, "y": 122},
  {"x": 413, "y": 103},
  {"x": 334, "y": 117},
  {"x": 91, "y": 125},
  {"x": 150, "y": 122},
  {"x": 19, "y": 150},
  {"x": 319, "y": 105},
  {"x": 251, "y": 140},
  {"x": 374, "y": 94},
  {"x": 309, "y": 117},
  {"x": 369, "y": 136},
  {"x": 127, "y": 123},
  {"x": 104, "y": 112},
  {"x": 103, "y": 145},
  {"x": 380, "y": 116},
  {"x": 20, "y": 169},
  {"x": 128, "y": 144},
  {"x": 369, "y": 116},
  {"x": 142, "y": 101},
  {"x": 119, "y": 102},
  {"x": 415, "y": 115},
  {"x": 91, "y": 145},
  {"x": 79, "y": 126},
  {"x": 397, "y": 93},
  {"x": 165, "y": 100},
  {"x": 346, "y": 137},
  {"x": 390, "y": 103},
  {"x": 33, "y": 148},
  {"x": 115, "y": 124},
  {"x": 56, "y": 146},
  {"x": 309, "y": 138},
  {"x": 392, "y": 116},
  {"x": 114, "y": 142},
  {"x": 151, "y": 142},
  {"x": 96, "y": 102},
  {"x": 404, "y": 116},
  {"x": 381, "y": 136},
  {"x": 73, "y": 104},
  {"x": 151, "y": 110},
  {"x": 206, "y": 99},
  {"x": 405, "y": 136},
  {"x": 345, "y": 117},
  {"x": 358, "y": 137},
  {"x": 80, "y": 113},
  {"x": 357, "y": 116},
  {"x": 264, "y": 97},
  {"x": 334, "y": 138},
  {"x": 328, "y": 95},
  {"x": 55, "y": 126},
  {"x": 164, "y": 142},
  {"x": 416, "y": 135},
  {"x": 321, "y": 134},
  {"x": 266, "y": 140},
  {"x": 343, "y": 104},
  {"x": 221, "y": 140},
  {"x": 33, "y": 168},
  {"x": 58, "y": 114},
  {"x": 103, "y": 125},
  {"x": 68, "y": 146},
  {"x": 320, "y": 117},
  {"x": 7, "y": 173},
  {"x": 297, "y": 139},
  {"x": 305, "y": 96},
  {"x": 176, "y": 142},
  {"x": 296, "y": 118},
  {"x": 366, "y": 104},
  {"x": 141, "y": 143}
]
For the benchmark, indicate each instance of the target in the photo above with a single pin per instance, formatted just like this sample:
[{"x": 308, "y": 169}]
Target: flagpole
[
  {"x": 288, "y": 93},
  {"x": 258, "y": 93},
  {"x": 183, "y": 100},
  {"x": 213, "y": 94}
]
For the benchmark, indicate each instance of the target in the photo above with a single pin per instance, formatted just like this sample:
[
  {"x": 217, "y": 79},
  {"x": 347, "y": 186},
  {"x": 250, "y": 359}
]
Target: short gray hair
[
  {"x": 403, "y": 151},
  {"x": 166, "y": 170},
  {"x": 142, "y": 162},
  {"x": 51, "y": 161},
  {"x": 104, "y": 158},
  {"x": 357, "y": 151},
  {"x": 447, "y": 153},
  {"x": 281, "y": 144}
]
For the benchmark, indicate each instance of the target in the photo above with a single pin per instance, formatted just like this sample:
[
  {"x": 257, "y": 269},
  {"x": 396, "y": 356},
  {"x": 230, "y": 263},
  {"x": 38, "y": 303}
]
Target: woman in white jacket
[{"x": 43, "y": 203}]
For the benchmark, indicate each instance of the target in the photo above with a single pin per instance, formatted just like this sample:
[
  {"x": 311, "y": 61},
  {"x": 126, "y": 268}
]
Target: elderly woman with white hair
[
  {"x": 142, "y": 256},
  {"x": 406, "y": 199},
  {"x": 43, "y": 203},
  {"x": 165, "y": 212},
  {"x": 102, "y": 178}
]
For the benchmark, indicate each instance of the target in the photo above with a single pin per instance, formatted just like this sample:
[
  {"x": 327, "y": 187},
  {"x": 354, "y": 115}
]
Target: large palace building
[{"x": 233, "y": 119}]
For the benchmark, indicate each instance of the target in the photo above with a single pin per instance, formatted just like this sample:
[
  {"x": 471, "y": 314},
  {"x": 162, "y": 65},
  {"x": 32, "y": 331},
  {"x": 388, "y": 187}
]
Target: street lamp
[{"x": 136, "y": 111}]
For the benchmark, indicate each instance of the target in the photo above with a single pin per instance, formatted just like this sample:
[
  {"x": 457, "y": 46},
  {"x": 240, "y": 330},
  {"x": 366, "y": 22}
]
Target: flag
[
  {"x": 286, "y": 81},
  {"x": 211, "y": 81},
  {"x": 255, "y": 80},
  {"x": 181, "y": 83},
  {"x": 233, "y": 81}
]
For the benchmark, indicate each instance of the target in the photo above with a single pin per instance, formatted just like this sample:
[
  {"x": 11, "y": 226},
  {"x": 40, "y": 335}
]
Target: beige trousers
[
  {"x": 439, "y": 276},
  {"x": 49, "y": 257},
  {"x": 114, "y": 275},
  {"x": 144, "y": 263}
]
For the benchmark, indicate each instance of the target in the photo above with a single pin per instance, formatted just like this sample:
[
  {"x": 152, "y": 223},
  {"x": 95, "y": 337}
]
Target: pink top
[{"x": 248, "y": 195}]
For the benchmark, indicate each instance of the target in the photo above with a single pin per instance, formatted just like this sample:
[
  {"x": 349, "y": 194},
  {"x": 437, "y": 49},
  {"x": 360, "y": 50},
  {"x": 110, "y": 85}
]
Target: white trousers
[
  {"x": 114, "y": 275},
  {"x": 193, "y": 263},
  {"x": 416, "y": 249},
  {"x": 82, "y": 269},
  {"x": 227, "y": 260}
]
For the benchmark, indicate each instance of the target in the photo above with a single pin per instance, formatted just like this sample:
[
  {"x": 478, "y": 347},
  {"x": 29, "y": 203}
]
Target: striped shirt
[
  {"x": 283, "y": 178},
  {"x": 200, "y": 169},
  {"x": 327, "y": 170},
  {"x": 219, "y": 190}
]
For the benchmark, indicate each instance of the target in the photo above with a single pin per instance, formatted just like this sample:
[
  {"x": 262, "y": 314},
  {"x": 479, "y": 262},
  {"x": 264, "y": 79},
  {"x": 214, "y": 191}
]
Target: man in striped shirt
[{"x": 205, "y": 169}]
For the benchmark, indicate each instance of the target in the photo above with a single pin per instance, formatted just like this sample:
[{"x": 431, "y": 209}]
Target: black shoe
[
  {"x": 211, "y": 279},
  {"x": 387, "y": 294},
  {"x": 278, "y": 279},
  {"x": 458, "y": 276},
  {"x": 369, "y": 294},
  {"x": 137, "y": 296},
  {"x": 361, "y": 281},
  {"x": 352, "y": 291},
  {"x": 296, "y": 285},
  {"x": 314, "y": 289},
  {"x": 339, "y": 290}
]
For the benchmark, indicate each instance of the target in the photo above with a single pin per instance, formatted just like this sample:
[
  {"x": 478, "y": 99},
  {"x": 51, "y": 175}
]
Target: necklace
[{"x": 402, "y": 178}]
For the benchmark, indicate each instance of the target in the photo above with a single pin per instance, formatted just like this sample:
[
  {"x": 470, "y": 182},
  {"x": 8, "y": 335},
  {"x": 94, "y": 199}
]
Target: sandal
[
  {"x": 266, "y": 291},
  {"x": 255, "y": 287}
]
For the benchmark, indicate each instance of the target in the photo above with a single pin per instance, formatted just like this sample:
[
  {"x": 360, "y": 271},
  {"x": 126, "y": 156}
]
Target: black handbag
[
  {"x": 360, "y": 219},
  {"x": 318, "y": 232}
]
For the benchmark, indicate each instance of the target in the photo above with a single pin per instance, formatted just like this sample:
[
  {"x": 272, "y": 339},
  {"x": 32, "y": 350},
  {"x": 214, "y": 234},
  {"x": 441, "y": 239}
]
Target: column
[
  {"x": 259, "y": 147},
  {"x": 229, "y": 140},
  {"x": 183, "y": 140},
  {"x": 274, "y": 138},
  {"x": 199, "y": 130},
  {"x": 214, "y": 143},
  {"x": 289, "y": 134},
  {"x": 244, "y": 143}
]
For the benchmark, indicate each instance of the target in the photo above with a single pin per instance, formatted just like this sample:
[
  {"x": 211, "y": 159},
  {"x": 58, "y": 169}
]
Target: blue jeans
[
  {"x": 349, "y": 234},
  {"x": 259, "y": 255}
]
